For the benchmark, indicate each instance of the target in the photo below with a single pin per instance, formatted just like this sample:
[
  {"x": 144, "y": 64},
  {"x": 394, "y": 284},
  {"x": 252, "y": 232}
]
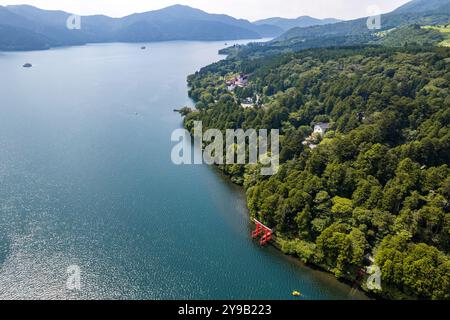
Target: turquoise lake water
[{"x": 86, "y": 179}]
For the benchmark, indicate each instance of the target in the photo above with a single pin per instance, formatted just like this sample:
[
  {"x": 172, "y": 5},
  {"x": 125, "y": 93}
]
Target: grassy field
[{"x": 445, "y": 30}]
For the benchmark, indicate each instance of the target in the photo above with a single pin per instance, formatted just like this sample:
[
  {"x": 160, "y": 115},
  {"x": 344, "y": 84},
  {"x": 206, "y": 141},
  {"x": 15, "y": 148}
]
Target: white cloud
[{"x": 248, "y": 9}]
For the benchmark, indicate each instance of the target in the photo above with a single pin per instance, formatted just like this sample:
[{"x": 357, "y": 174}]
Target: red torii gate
[{"x": 265, "y": 231}]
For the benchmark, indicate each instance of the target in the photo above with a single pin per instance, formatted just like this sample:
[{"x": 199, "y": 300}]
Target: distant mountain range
[
  {"x": 24, "y": 27},
  {"x": 301, "y": 22},
  {"x": 402, "y": 25},
  {"x": 415, "y": 12}
]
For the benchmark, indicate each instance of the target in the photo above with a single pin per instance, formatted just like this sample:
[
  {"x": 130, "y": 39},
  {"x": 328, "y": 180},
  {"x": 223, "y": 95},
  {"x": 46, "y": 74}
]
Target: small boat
[
  {"x": 143, "y": 47},
  {"x": 27, "y": 65},
  {"x": 296, "y": 294}
]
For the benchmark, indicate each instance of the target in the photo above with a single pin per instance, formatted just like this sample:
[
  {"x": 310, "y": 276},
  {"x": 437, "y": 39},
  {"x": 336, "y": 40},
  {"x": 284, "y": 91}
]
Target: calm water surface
[{"x": 86, "y": 179}]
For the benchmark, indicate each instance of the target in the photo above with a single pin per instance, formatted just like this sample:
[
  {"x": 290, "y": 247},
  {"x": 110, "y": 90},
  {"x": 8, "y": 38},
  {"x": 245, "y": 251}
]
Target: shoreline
[
  {"x": 274, "y": 243},
  {"x": 320, "y": 203},
  {"x": 262, "y": 39},
  {"x": 319, "y": 272}
]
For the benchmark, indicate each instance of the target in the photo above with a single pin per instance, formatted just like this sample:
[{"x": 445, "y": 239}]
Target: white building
[
  {"x": 247, "y": 103},
  {"x": 321, "y": 128}
]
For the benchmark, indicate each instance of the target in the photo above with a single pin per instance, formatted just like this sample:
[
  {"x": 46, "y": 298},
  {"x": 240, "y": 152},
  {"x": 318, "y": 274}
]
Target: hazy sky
[{"x": 248, "y": 9}]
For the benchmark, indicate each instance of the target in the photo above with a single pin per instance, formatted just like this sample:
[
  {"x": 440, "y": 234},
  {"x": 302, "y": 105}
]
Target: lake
[{"x": 86, "y": 179}]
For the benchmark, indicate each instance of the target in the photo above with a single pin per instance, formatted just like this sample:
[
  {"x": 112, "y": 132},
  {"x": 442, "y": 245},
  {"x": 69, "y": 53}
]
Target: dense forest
[{"x": 376, "y": 184}]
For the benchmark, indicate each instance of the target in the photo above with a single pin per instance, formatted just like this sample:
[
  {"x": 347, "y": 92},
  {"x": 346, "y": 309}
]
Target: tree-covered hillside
[
  {"x": 410, "y": 35},
  {"x": 356, "y": 32},
  {"x": 25, "y": 27},
  {"x": 378, "y": 182},
  {"x": 302, "y": 22}
]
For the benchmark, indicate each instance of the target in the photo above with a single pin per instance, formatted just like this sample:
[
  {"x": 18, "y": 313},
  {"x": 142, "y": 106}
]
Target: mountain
[
  {"x": 26, "y": 27},
  {"x": 414, "y": 14},
  {"x": 302, "y": 22},
  {"x": 22, "y": 40},
  {"x": 40, "y": 24},
  {"x": 421, "y": 12},
  {"x": 43, "y": 17},
  {"x": 415, "y": 6},
  {"x": 185, "y": 23},
  {"x": 15, "y": 33}
]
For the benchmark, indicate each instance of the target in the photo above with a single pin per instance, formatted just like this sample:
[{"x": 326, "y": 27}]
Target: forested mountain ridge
[
  {"x": 377, "y": 184},
  {"x": 353, "y": 32},
  {"x": 421, "y": 6},
  {"x": 412, "y": 35},
  {"x": 33, "y": 28},
  {"x": 29, "y": 33},
  {"x": 420, "y": 12},
  {"x": 302, "y": 22}
]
